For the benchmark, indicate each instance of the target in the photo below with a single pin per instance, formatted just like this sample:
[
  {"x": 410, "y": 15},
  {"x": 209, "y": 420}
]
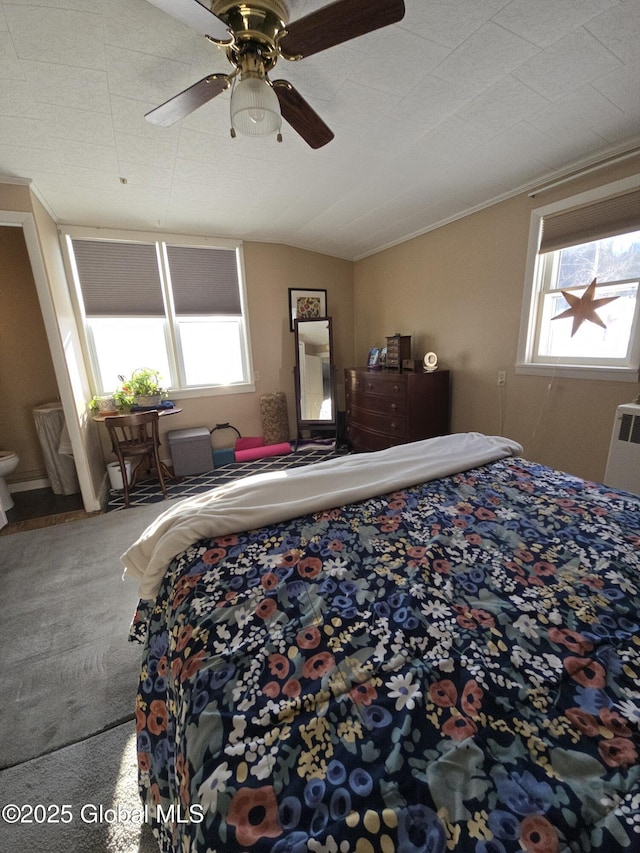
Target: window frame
[
  {"x": 170, "y": 320},
  {"x": 533, "y": 293}
]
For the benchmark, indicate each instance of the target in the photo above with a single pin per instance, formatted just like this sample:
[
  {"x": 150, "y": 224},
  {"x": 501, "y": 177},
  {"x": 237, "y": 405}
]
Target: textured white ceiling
[{"x": 461, "y": 103}]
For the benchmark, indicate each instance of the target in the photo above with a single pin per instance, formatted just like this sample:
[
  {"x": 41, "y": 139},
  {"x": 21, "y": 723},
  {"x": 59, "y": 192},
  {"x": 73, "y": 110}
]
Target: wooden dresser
[{"x": 387, "y": 407}]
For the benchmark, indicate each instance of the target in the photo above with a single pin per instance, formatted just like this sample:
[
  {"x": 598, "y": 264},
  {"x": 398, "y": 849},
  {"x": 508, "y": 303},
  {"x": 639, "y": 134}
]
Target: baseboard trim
[{"x": 29, "y": 485}]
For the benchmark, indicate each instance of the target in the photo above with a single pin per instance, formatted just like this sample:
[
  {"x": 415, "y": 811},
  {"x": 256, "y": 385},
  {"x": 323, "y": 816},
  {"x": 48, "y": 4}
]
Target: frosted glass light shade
[{"x": 255, "y": 109}]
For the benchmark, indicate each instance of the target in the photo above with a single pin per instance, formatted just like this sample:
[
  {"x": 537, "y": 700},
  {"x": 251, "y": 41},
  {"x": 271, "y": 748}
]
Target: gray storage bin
[{"x": 190, "y": 451}]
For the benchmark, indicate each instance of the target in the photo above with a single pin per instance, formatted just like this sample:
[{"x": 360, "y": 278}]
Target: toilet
[{"x": 8, "y": 464}]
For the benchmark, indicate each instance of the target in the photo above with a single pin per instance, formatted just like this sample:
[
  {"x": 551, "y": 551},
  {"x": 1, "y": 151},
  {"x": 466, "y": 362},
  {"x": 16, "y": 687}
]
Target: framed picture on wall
[{"x": 306, "y": 305}]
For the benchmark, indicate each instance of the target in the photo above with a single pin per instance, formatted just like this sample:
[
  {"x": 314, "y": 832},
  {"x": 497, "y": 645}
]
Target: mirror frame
[{"x": 308, "y": 423}]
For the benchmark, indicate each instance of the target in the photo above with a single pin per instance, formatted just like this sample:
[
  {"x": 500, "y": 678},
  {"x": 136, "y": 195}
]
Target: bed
[{"x": 434, "y": 647}]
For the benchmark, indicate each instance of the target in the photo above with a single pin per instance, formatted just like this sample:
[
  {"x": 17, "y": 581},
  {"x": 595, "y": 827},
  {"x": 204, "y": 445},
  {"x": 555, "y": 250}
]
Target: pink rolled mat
[
  {"x": 247, "y": 452},
  {"x": 249, "y": 442}
]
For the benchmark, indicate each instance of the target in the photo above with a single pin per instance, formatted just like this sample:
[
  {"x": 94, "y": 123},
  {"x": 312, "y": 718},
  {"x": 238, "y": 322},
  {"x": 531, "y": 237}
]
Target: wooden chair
[{"x": 137, "y": 435}]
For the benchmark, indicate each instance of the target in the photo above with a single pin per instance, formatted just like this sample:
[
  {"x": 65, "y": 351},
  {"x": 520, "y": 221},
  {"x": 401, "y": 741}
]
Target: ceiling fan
[{"x": 254, "y": 36}]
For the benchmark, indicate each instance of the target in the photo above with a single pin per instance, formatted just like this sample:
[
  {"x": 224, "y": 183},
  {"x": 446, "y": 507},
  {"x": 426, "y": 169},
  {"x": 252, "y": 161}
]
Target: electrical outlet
[{"x": 502, "y": 378}]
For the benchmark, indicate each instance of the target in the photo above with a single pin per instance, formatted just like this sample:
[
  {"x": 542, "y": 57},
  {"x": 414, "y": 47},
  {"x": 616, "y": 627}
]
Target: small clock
[{"x": 430, "y": 362}]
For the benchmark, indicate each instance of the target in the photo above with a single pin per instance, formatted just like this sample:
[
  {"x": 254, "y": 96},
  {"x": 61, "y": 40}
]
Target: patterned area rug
[{"x": 149, "y": 492}]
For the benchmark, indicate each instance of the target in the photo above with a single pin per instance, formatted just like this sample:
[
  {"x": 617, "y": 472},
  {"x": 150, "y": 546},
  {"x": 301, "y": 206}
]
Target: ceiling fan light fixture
[
  {"x": 255, "y": 109},
  {"x": 254, "y": 34}
]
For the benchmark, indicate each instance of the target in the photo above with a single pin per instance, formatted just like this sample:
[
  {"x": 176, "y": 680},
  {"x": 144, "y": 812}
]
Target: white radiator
[{"x": 623, "y": 464}]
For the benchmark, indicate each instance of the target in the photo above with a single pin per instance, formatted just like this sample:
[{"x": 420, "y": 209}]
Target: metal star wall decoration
[{"x": 584, "y": 307}]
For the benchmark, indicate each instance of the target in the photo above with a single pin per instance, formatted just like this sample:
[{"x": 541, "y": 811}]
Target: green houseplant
[
  {"x": 143, "y": 388},
  {"x": 103, "y": 404}
]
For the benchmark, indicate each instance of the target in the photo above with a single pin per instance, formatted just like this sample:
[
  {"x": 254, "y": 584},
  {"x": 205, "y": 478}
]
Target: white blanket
[{"x": 277, "y": 496}]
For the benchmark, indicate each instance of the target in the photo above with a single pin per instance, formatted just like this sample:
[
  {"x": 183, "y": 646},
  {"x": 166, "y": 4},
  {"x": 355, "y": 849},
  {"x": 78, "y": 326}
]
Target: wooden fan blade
[
  {"x": 338, "y": 22},
  {"x": 196, "y": 14},
  {"x": 302, "y": 118},
  {"x": 190, "y": 99}
]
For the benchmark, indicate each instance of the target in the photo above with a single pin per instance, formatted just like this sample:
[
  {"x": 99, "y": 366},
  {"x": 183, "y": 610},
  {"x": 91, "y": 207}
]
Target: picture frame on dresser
[
  {"x": 374, "y": 357},
  {"x": 306, "y": 305}
]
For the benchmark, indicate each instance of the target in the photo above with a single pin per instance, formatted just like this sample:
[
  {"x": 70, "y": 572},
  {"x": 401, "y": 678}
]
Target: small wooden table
[{"x": 100, "y": 417}]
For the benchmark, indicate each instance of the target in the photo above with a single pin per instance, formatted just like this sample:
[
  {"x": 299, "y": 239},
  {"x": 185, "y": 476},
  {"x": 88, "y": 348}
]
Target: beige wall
[
  {"x": 15, "y": 197},
  {"x": 271, "y": 271},
  {"x": 458, "y": 291},
  {"x": 27, "y": 377}
]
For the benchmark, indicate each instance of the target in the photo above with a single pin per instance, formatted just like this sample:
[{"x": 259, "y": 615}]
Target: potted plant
[
  {"x": 104, "y": 404},
  {"x": 143, "y": 388},
  {"x": 123, "y": 398}
]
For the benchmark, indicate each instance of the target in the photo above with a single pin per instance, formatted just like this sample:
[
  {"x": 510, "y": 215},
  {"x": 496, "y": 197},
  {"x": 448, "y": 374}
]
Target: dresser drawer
[
  {"x": 380, "y": 384},
  {"x": 362, "y": 439},
  {"x": 384, "y": 385},
  {"x": 387, "y": 423},
  {"x": 390, "y": 404}
]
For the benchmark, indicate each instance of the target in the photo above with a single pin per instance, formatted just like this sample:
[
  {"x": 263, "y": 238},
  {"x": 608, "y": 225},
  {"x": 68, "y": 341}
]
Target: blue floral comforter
[{"x": 454, "y": 666}]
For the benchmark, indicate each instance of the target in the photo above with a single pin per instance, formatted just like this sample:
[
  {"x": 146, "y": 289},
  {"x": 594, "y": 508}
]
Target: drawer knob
[
  {"x": 394, "y": 425},
  {"x": 396, "y": 388},
  {"x": 394, "y": 407}
]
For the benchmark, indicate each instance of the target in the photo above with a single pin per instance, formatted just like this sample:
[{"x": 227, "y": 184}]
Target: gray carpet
[
  {"x": 95, "y": 780},
  {"x": 66, "y": 667},
  {"x": 69, "y": 679}
]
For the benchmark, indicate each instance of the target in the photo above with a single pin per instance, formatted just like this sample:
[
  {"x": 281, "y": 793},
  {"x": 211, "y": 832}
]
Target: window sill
[
  {"x": 210, "y": 391},
  {"x": 574, "y": 371}
]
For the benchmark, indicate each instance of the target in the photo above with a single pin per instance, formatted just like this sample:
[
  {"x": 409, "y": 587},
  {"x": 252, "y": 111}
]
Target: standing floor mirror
[{"x": 315, "y": 376}]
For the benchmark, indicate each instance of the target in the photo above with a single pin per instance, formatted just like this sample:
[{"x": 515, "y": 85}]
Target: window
[
  {"x": 176, "y": 305},
  {"x": 581, "y": 307}
]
